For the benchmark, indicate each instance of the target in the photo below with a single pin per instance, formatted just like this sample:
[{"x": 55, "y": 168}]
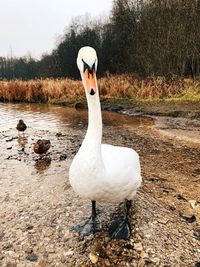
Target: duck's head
[{"x": 87, "y": 64}]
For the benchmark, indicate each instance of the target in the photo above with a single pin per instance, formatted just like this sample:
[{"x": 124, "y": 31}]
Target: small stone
[
  {"x": 138, "y": 246},
  {"x": 187, "y": 213},
  {"x": 94, "y": 258},
  {"x": 41, "y": 250},
  {"x": 11, "y": 264},
  {"x": 1, "y": 234},
  {"x": 107, "y": 262},
  {"x": 193, "y": 203},
  {"x": 63, "y": 258},
  {"x": 32, "y": 257},
  {"x": 42, "y": 263},
  {"x": 29, "y": 227},
  {"x": 67, "y": 236},
  {"x": 155, "y": 260},
  {"x": 141, "y": 263},
  {"x": 197, "y": 214},
  {"x": 197, "y": 233},
  {"x": 163, "y": 220},
  {"x": 27, "y": 248},
  {"x": 69, "y": 253},
  {"x": 63, "y": 157},
  {"x": 143, "y": 255},
  {"x": 48, "y": 232}
]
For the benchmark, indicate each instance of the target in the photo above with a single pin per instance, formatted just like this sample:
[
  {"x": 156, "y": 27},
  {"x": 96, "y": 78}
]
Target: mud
[{"x": 38, "y": 207}]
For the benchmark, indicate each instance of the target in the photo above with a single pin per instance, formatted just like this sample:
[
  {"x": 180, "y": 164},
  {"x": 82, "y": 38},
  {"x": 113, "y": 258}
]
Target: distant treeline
[{"x": 152, "y": 37}]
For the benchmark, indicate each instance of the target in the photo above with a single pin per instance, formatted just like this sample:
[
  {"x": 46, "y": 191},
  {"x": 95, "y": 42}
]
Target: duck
[
  {"x": 41, "y": 147},
  {"x": 21, "y": 126},
  {"x": 102, "y": 172}
]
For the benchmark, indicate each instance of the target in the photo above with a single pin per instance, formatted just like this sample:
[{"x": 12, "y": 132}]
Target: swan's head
[{"x": 87, "y": 64}]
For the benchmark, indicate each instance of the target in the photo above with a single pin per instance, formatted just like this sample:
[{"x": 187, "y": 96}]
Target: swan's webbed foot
[
  {"x": 120, "y": 229},
  {"x": 87, "y": 227}
]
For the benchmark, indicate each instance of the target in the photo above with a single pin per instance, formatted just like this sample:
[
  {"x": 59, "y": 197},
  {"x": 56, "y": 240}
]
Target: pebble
[
  {"x": 138, "y": 246},
  {"x": 192, "y": 203},
  {"x": 42, "y": 262},
  {"x": 94, "y": 258},
  {"x": 67, "y": 236},
  {"x": 32, "y": 257},
  {"x": 1, "y": 234},
  {"x": 48, "y": 232},
  {"x": 11, "y": 264},
  {"x": 197, "y": 214},
  {"x": 27, "y": 248},
  {"x": 69, "y": 253}
]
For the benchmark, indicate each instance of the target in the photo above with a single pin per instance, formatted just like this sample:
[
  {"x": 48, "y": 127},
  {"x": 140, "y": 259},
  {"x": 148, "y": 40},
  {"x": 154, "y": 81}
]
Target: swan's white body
[{"x": 102, "y": 172}]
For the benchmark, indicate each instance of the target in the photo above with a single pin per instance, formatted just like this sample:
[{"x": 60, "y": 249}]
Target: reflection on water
[
  {"x": 22, "y": 141},
  {"x": 42, "y": 164},
  {"x": 58, "y": 118}
]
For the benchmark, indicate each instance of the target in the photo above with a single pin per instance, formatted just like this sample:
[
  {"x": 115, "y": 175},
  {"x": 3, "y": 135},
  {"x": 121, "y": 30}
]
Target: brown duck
[
  {"x": 21, "y": 126},
  {"x": 41, "y": 147}
]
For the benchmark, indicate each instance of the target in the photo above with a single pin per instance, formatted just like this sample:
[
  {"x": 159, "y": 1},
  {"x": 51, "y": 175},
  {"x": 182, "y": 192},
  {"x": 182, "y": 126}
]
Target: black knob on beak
[{"x": 92, "y": 92}]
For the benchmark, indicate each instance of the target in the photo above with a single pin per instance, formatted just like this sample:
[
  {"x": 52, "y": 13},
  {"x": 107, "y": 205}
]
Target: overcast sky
[{"x": 33, "y": 25}]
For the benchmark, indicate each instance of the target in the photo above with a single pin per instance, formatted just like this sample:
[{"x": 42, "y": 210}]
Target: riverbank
[
  {"x": 159, "y": 96},
  {"x": 38, "y": 206}
]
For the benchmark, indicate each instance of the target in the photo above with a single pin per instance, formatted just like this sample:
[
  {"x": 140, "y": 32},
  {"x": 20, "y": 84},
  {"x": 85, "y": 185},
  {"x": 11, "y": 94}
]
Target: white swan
[{"x": 101, "y": 172}]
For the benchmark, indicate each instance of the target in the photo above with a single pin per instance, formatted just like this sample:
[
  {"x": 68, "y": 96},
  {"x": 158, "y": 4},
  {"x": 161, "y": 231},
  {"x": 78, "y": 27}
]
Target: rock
[
  {"x": 197, "y": 233},
  {"x": 187, "y": 213},
  {"x": 63, "y": 157},
  {"x": 192, "y": 203},
  {"x": 67, "y": 236},
  {"x": 107, "y": 262},
  {"x": 1, "y": 234},
  {"x": 29, "y": 227},
  {"x": 94, "y": 258},
  {"x": 188, "y": 219},
  {"x": 11, "y": 264},
  {"x": 63, "y": 258},
  {"x": 138, "y": 246},
  {"x": 49, "y": 232},
  {"x": 163, "y": 220},
  {"x": 180, "y": 197},
  {"x": 197, "y": 214},
  {"x": 32, "y": 257},
  {"x": 27, "y": 248},
  {"x": 143, "y": 255},
  {"x": 141, "y": 263},
  {"x": 42, "y": 262},
  {"x": 69, "y": 253}
]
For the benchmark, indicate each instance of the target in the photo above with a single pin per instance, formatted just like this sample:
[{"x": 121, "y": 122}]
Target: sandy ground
[{"x": 38, "y": 207}]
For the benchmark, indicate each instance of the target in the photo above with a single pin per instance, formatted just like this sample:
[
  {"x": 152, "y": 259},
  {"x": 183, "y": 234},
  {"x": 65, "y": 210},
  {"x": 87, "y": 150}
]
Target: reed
[{"x": 119, "y": 86}]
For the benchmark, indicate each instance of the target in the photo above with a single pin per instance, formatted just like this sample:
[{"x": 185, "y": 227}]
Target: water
[{"x": 58, "y": 118}]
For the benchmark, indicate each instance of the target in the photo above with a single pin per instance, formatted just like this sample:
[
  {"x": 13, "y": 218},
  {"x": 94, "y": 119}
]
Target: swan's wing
[{"x": 122, "y": 165}]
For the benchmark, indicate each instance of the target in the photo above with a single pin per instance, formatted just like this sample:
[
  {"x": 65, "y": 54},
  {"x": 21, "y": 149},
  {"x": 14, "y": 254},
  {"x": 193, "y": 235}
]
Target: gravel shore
[{"x": 38, "y": 207}]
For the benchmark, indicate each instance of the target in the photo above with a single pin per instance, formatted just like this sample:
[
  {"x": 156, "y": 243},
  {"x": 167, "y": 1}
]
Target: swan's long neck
[{"x": 94, "y": 132}]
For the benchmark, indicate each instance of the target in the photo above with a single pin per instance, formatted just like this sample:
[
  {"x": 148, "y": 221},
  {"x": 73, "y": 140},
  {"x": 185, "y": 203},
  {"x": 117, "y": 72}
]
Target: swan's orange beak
[{"x": 90, "y": 78}]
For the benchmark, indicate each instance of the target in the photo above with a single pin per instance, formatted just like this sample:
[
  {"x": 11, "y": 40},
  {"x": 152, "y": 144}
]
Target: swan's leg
[
  {"x": 89, "y": 226},
  {"x": 120, "y": 228}
]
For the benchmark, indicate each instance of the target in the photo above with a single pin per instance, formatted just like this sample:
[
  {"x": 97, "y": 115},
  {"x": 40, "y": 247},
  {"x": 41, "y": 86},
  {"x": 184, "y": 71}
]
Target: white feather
[{"x": 102, "y": 172}]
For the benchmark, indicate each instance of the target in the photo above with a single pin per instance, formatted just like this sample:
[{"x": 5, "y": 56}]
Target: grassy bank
[{"x": 122, "y": 88}]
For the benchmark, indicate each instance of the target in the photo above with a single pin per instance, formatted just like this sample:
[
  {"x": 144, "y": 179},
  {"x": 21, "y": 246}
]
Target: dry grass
[{"x": 121, "y": 86}]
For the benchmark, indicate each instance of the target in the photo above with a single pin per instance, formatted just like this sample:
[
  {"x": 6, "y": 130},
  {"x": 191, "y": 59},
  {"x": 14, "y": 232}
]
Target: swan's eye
[
  {"x": 85, "y": 66},
  {"x": 91, "y": 70}
]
